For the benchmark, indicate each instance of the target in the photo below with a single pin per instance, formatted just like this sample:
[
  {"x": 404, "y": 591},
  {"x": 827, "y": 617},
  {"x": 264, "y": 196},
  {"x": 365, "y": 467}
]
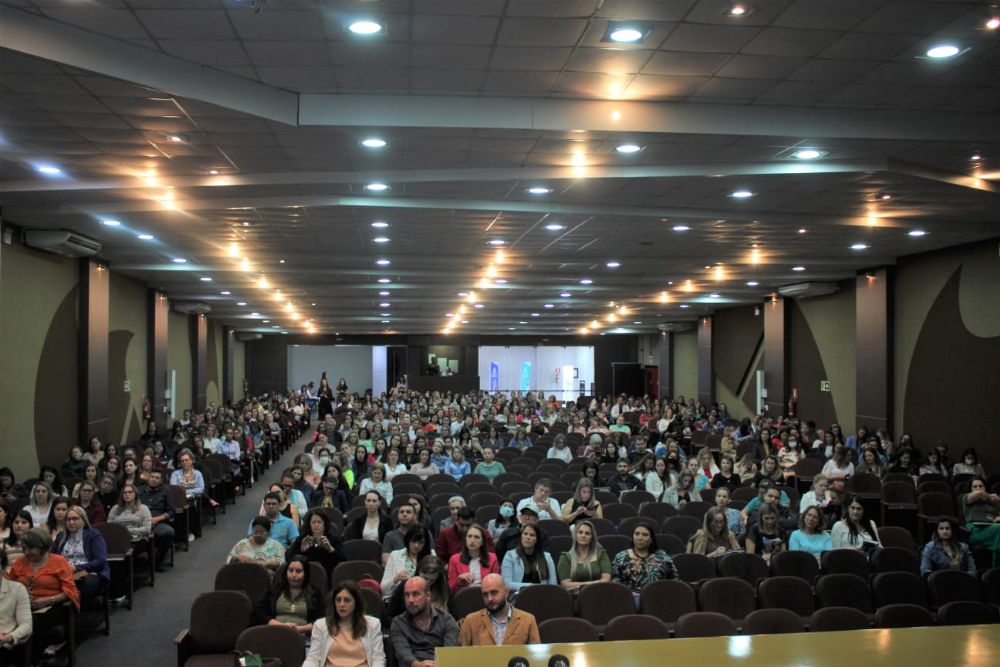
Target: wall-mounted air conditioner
[
  {"x": 61, "y": 242},
  {"x": 807, "y": 290}
]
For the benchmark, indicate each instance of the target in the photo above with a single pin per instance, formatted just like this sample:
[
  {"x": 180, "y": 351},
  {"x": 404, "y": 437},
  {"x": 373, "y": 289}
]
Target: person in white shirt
[
  {"x": 853, "y": 532},
  {"x": 817, "y": 495},
  {"x": 546, "y": 507},
  {"x": 393, "y": 466},
  {"x": 559, "y": 450}
]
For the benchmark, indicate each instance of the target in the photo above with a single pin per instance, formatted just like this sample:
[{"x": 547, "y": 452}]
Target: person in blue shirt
[
  {"x": 810, "y": 536},
  {"x": 438, "y": 455},
  {"x": 283, "y": 530},
  {"x": 945, "y": 551},
  {"x": 457, "y": 466}
]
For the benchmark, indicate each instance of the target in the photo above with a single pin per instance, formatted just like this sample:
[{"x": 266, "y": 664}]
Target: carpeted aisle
[{"x": 145, "y": 635}]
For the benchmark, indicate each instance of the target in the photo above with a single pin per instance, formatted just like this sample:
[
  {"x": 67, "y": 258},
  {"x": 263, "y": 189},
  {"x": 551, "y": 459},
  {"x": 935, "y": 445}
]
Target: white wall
[
  {"x": 306, "y": 364},
  {"x": 378, "y": 369},
  {"x": 547, "y": 368}
]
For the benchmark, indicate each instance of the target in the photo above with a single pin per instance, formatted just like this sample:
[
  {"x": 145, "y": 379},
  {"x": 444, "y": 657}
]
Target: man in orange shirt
[{"x": 499, "y": 624}]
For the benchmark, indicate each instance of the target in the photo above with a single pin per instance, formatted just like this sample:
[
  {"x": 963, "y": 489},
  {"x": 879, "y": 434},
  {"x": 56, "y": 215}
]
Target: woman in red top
[{"x": 468, "y": 567}]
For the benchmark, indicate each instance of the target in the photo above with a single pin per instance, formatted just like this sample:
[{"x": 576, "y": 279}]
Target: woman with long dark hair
[
  {"x": 402, "y": 563},
  {"x": 317, "y": 542},
  {"x": 325, "y": 393},
  {"x": 853, "y": 532},
  {"x": 292, "y": 601},
  {"x": 347, "y": 636},
  {"x": 529, "y": 563},
  {"x": 945, "y": 551},
  {"x": 473, "y": 562}
]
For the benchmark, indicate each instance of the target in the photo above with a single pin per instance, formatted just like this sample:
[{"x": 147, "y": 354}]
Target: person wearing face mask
[
  {"x": 503, "y": 520},
  {"x": 969, "y": 465},
  {"x": 789, "y": 455}
]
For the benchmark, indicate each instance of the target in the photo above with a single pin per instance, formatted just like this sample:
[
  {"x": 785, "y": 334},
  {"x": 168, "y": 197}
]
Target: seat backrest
[
  {"x": 474, "y": 478},
  {"x": 898, "y": 492},
  {"x": 362, "y": 550},
  {"x": 727, "y": 595},
  {"x": 935, "y": 504},
  {"x": 217, "y": 619},
  {"x": 353, "y": 570},
  {"x": 834, "y": 619},
  {"x": 553, "y": 527},
  {"x": 799, "y": 564},
  {"x": 693, "y": 568},
  {"x": 274, "y": 641},
  {"x": 600, "y": 602},
  {"x": 485, "y": 498},
  {"x": 670, "y": 543},
  {"x": 682, "y": 526},
  {"x": 744, "y": 493},
  {"x": 545, "y": 601},
  {"x": 603, "y": 527},
  {"x": 704, "y": 624},
  {"x": 895, "y": 536},
  {"x": 406, "y": 478},
  {"x": 632, "y": 627},
  {"x": 373, "y": 603},
  {"x": 903, "y": 615},
  {"x": 484, "y": 513},
  {"x": 615, "y": 544},
  {"x": 844, "y": 590},
  {"x": 250, "y": 578},
  {"x": 894, "y": 559},
  {"x": 637, "y": 497},
  {"x": 557, "y": 545},
  {"x": 751, "y": 568},
  {"x": 784, "y": 592},
  {"x": 116, "y": 537},
  {"x": 966, "y": 612},
  {"x": 658, "y": 512},
  {"x": 865, "y": 483},
  {"x": 467, "y": 601},
  {"x": 667, "y": 600},
  {"x": 618, "y": 512},
  {"x": 951, "y": 586},
  {"x": 991, "y": 586},
  {"x": 695, "y": 508},
  {"x": 851, "y": 561},
  {"x": 773, "y": 622},
  {"x": 567, "y": 630},
  {"x": 899, "y": 588},
  {"x": 939, "y": 486}
]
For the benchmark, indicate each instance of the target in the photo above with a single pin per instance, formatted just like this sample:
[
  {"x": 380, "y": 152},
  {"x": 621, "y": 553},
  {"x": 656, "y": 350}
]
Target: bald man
[
  {"x": 498, "y": 624},
  {"x": 421, "y": 628}
]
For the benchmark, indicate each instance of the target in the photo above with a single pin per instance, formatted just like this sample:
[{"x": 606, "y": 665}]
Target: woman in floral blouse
[{"x": 645, "y": 562}]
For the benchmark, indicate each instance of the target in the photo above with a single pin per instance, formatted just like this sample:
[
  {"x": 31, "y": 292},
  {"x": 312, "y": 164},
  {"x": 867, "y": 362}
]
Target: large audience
[{"x": 486, "y": 491}]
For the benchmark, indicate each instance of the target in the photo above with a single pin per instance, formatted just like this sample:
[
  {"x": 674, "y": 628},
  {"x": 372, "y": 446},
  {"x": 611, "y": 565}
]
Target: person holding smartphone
[{"x": 317, "y": 543}]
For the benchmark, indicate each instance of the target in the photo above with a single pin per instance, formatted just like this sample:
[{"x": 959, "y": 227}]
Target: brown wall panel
[
  {"x": 92, "y": 375},
  {"x": 666, "y": 354},
  {"x": 706, "y": 377},
  {"x": 873, "y": 340},
  {"x": 776, "y": 361},
  {"x": 199, "y": 362},
  {"x": 806, "y": 371},
  {"x": 738, "y": 334},
  {"x": 157, "y": 384}
]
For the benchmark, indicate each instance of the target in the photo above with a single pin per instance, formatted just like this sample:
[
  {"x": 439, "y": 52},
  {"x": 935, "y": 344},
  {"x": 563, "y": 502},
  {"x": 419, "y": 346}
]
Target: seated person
[
  {"x": 559, "y": 449},
  {"x": 583, "y": 504},
  {"x": 328, "y": 495},
  {"x": 292, "y": 600},
  {"x": 623, "y": 481},
  {"x": 456, "y": 465},
  {"x": 157, "y": 497},
  {"x": 586, "y": 562},
  {"x": 19, "y": 525},
  {"x": 817, "y": 495},
  {"x": 545, "y": 506},
  {"x": 346, "y": 636},
  {"x": 376, "y": 482},
  {"x": 733, "y": 516},
  {"x": 713, "y": 539},
  {"x": 15, "y": 614},
  {"x": 528, "y": 563},
  {"x": 981, "y": 511},
  {"x": 504, "y": 519},
  {"x": 283, "y": 530},
  {"x": 259, "y": 547},
  {"x": 643, "y": 563},
  {"x": 452, "y": 540},
  {"x": 424, "y": 467},
  {"x": 402, "y": 563},
  {"x": 373, "y": 524},
  {"x": 683, "y": 490},
  {"x": 86, "y": 552},
  {"x": 489, "y": 467},
  {"x": 511, "y": 537},
  {"x": 811, "y": 535},
  {"x": 422, "y": 628},
  {"x": 853, "y": 532},
  {"x": 433, "y": 571},
  {"x": 318, "y": 543},
  {"x": 473, "y": 562},
  {"x": 482, "y": 628},
  {"x": 765, "y": 537},
  {"x": 945, "y": 551},
  {"x": 87, "y": 499},
  {"x": 455, "y": 503}
]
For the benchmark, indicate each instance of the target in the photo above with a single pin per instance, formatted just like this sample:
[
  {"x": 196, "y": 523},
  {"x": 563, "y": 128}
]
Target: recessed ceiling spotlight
[
  {"x": 500, "y": 281},
  {"x": 554, "y": 227},
  {"x": 684, "y": 305},
  {"x": 859, "y": 246},
  {"x": 241, "y": 303},
  {"x": 916, "y": 232},
  {"x": 522, "y": 322},
  {"x": 376, "y": 187},
  {"x": 225, "y": 292},
  {"x": 213, "y": 172},
  {"x": 713, "y": 295},
  {"x": 802, "y": 230},
  {"x": 374, "y": 142},
  {"x": 386, "y": 321},
  {"x": 976, "y": 157},
  {"x": 539, "y": 190},
  {"x": 741, "y": 194},
  {"x": 752, "y": 283},
  {"x": 206, "y": 279},
  {"x": 175, "y": 138},
  {"x": 383, "y": 262},
  {"x": 313, "y": 303},
  {"x": 384, "y": 304},
  {"x": 380, "y": 239},
  {"x": 628, "y": 148},
  {"x": 992, "y": 23},
  {"x": 265, "y": 321},
  {"x": 798, "y": 268},
  {"x": 145, "y": 237},
  {"x": 613, "y": 265},
  {"x": 681, "y": 228},
  {"x": 365, "y": 27},
  {"x": 380, "y": 224},
  {"x": 536, "y": 314},
  {"x": 511, "y": 328},
  {"x": 497, "y": 242},
  {"x": 808, "y": 154},
  {"x": 478, "y": 305},
  {"x": 384, "y": 293},
  {"x": 565, "y": 295},
  {"x": 385, "y": 314},
  {"x": 549, "y": 305},
  {"x": 943, "y": 51},
  {"x": 281, "y": 261},
  {"x": 254, "y": 314},
  {"x": 49, "y": 170},
  {"x": 624, "y": 33},
  {"x": 180, "y": 260},
  {"x": 246, "y": 223},
  {"x": 111, "y": 223},
  {"x": 384, "y": 280},
  {"x": 275, "y": 326},
  {"x": 586, "y": 281},
  {"x": 465, "y": 321},
  {"x": 737, "y": 10}
]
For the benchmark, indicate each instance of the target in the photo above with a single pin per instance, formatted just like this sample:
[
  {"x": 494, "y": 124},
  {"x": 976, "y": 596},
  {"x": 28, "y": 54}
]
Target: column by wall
[
  {"x": 199, "y": 361},
  {"x": 93, "y": 350},
  {"x": 776, "y": 365},
  {"x": 158, "y": 308},
  {"x": 706, "y": 377},
  {"x": 666, "y": 343},
  {"x": 873, "y": 342},
  {"x": 228, "y": 359}
]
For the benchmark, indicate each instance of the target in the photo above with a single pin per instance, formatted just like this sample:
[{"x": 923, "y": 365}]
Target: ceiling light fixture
[
  {"x": 175, "y": 138},
  {"x": 206, "y": 279},
  {"x": 586, "y": 281},
  {"x": 180, "y": 260},
  {"x": 624, "y": 33},
  {"x": 213, "y": 172},
  {"x": 380, "y": 239},
  {"x": 628, "y": 148},
  {"x": 798, "y": 268},
  {"x": 549, "y": 305},
  {"x": 500, "y": 281},
  {"x": 752, "y": 283},
  {"x": 383, "y": 262},
  {"x": 539, "y": 190},
  {"x": 497, "y": 242},
  {"x": 380, "y": 224},
  {"x": 808, "y": 154},
  {"x": 225, "y": 292},
  {"x": 681, "y": 228},
  {"x": 554, "y": 227},
  {"x": 241, "y": 303},
  {"x": 741, "y": 194},
  {"x": 374, "y": 142},
  {"x": 376, "y": 187},
  {"x": 49, "y": 170},
  {"x": 684, "y": 305},
  {"x": 943, "y": 51},
  {"x": 737, "y": 10},
  {"x": 384, "y": 280},
  {"x": 384, "y": 293},
  {"x": 365, "y": 27},
  {"x": 802, "y": 230},
  {"x": 976, "y": 157},
  {"x": 145, "y": 237},
  {"x": 613, "y": 264},
  {"x": 536, "y": 314},
  {"x": 859, "y": 246},
  {"x": 384, "y": 304},
  {"x": 565, "y": 295},
  {"x": 916, "y": 233},
  {"x": 111, "y": 223},
  {"x": 993, "y": 22}
]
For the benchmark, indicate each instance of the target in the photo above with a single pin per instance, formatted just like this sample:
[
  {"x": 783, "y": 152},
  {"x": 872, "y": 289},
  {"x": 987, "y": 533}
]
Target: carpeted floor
[{"x": 145, "y": 635}]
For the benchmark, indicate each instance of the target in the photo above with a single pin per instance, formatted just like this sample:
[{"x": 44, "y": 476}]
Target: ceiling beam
[
  {"x": 943, "y": 176},
  {"x": 45, "y": 38}
]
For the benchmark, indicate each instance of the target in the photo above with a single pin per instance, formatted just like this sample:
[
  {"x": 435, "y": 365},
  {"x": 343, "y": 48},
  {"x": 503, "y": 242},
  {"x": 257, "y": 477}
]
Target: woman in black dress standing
[{"x": 325, "y": 394}]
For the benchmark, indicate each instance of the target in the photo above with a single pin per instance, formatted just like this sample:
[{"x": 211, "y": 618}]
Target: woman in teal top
[{"x": 810, "y": 536}]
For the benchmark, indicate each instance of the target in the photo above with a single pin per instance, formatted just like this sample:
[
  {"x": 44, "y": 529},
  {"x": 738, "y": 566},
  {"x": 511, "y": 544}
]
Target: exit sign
[
  {"x": 824, "y": 385},
  {"x": 127, "y": 387}
]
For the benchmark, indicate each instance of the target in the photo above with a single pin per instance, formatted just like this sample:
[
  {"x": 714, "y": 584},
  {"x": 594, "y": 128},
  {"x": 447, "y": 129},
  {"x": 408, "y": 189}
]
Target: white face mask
[{"x": 324, "y": 460}]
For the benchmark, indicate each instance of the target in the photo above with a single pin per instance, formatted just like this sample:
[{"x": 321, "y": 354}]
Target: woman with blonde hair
[
  {"x": 583, "y": 504},
  {"x": 586, "y": 562}
]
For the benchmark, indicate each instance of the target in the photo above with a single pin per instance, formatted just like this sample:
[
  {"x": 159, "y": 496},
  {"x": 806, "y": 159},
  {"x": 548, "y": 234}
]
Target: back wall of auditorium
[{"x": 922, "y": 356}]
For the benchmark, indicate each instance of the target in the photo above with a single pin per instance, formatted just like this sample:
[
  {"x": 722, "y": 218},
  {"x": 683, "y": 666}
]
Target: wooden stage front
[{"x": 954, "y": 646}]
